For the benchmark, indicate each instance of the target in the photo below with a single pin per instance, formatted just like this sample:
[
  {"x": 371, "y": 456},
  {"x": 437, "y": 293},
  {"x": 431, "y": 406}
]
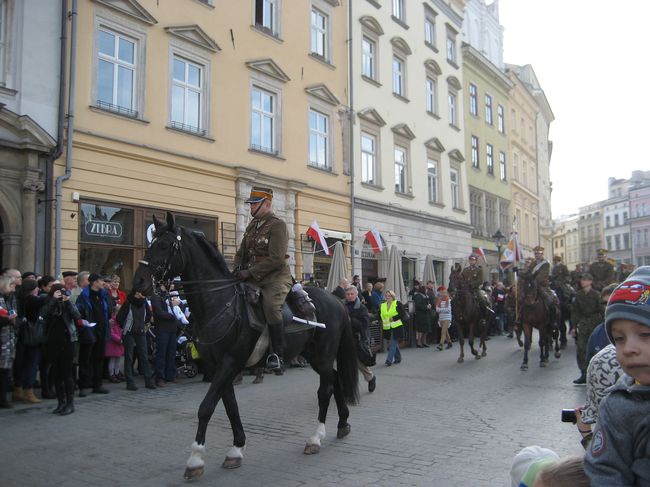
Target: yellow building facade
[{"x": 185, "y": 105}]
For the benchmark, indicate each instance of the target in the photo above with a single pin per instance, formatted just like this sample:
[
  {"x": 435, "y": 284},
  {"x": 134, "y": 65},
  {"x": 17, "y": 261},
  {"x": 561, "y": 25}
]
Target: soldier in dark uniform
[
  {"x": 586, "y": 314},
  {"x": 262, "y": 259},
  {"x": 575, "y": 276},
  {"x": 540, "y": 269},
  {"x": 602, "y": 271},
  {"x": 560, "y": 274},
  {"x": 472, "y": 275}
]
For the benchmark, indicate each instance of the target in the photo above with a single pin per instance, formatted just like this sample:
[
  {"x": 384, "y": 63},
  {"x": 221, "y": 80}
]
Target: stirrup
[{"x": 274, "y": 362}]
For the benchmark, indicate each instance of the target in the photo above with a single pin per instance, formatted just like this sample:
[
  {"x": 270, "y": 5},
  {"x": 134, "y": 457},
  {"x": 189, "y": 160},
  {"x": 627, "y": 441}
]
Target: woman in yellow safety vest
[{"x": 391, "y": 312}]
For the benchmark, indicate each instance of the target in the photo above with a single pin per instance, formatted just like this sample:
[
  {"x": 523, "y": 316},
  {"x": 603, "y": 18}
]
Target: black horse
[
  {"x": 466, "y": 315},
  {"x": 226, "y": 339}
]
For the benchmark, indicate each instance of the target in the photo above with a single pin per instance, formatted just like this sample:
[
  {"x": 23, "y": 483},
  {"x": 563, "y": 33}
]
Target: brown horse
[
  {"x": 534, "y": 314},
  {"x": 466, "y": 315}
]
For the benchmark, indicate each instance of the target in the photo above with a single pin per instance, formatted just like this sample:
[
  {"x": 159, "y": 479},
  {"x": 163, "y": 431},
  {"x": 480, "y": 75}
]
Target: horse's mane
[{"x": 211, "y": 250}]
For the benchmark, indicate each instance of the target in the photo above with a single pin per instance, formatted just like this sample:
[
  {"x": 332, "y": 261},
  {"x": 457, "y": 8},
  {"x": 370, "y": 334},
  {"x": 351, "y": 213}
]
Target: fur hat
[{"x": 630, "y": 300}]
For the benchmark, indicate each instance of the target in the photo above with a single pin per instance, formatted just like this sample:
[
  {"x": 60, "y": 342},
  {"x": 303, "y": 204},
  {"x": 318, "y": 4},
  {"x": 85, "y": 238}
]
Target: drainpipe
[
  {"x": 69, "y": 131},
  {"x": 351, "y": 116},
  {"x": 58, "y": 149}
]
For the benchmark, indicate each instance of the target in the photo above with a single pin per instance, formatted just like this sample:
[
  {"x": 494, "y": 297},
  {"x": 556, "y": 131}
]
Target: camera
[
  {"x": 65, "y": 292},
  {"x": 569, "y": 416}
]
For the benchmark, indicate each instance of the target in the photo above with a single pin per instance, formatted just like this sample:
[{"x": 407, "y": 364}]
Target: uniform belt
[{"x": 258, "y": 258}]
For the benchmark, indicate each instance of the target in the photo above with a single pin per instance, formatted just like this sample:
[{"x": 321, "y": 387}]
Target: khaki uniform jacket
[
  {"x": 542, "y": 272},
  {"x": 587, "y": 309},
  {"x": 263, "y": 251},
  {"x": 473, "y": 276},
  {"x": 603, "y": 274},
  {"x": 560, "y": 274}
]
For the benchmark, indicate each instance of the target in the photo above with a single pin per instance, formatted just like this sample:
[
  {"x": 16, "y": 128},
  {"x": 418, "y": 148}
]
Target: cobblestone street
[{"x": 431, "y": 421}]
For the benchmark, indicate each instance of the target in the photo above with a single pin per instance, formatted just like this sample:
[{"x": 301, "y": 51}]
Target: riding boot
[
  {"x": 69, "y": 404},
  {"x": 275, "y": 361},
  {"x": 60, "y": 397}
]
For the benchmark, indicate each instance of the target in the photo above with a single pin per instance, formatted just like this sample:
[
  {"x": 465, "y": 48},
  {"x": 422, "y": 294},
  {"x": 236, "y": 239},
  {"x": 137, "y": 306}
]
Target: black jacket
[{"x": 359, "y": 318}]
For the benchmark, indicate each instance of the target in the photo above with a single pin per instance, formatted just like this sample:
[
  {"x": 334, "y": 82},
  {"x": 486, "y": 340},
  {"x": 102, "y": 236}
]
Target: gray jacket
[{"x": 619, "y": 454}]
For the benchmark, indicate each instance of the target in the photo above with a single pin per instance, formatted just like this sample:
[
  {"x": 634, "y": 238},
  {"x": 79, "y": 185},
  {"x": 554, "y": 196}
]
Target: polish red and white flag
[
  {"x": 374, "y": 239},
  {"x": 316, "y": 233},
  {"x": 479, "y": 251}
]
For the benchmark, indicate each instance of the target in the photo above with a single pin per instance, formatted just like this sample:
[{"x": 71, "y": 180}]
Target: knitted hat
[
  {"x": 630, "y": 300},
  {"x": 530, "y": 458},
  {"x": 602, "y": 373}
]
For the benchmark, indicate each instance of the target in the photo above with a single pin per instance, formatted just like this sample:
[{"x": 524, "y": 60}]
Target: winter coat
[
  {"x": 140, "y": 315},
  {"x": 60, "y": 320},
  {"x": 422, "y": 318},
  {"x": 85, "y": 307},
  {"x": 114, "y": 346}
]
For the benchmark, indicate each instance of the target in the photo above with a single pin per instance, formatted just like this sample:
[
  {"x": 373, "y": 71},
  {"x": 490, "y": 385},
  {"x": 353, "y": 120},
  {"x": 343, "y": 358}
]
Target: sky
[{"x": 590, "y": 59}]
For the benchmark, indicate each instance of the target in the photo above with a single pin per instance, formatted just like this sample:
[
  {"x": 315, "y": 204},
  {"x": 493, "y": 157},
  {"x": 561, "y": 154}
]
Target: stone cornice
[
  {"x": 387, "y": 209},
  {"x": 470, "y": 54},
  {"x": 448, "y": 11}
]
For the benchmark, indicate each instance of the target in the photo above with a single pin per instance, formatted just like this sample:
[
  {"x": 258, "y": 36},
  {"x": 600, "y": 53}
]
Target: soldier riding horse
[
  {"x": 467, "y": 315},
  {"x": 226, "y": 339}
]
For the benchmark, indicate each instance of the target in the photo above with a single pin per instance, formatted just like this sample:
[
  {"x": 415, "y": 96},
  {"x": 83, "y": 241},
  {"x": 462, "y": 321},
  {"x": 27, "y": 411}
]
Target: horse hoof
[
  {"x": 460, "y": 360},
  {"x": 558, "y": 354},
  {"x": 477, "y": 357},
  {"x": 311, "y": 449},
  {"x": 343, "y": 432},
  {"x": 193, "y": 473},
  {"x": 231, "y": 462},
  {"x": 484, "y": 354},
  {"x": 524, "y": 367}
]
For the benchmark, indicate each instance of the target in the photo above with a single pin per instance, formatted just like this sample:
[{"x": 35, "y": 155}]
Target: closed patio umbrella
[
  {"x": 394, "y": 280},
  {"x": 382, "y": 263},
  {"x": 338, "y": 269},
  {"x": 429, "y": 273}
]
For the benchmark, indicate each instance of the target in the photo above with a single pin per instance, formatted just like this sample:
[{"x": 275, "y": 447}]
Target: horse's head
[
  {"x": 164, "y": 258},
  {"x": 529, "y": 288}
]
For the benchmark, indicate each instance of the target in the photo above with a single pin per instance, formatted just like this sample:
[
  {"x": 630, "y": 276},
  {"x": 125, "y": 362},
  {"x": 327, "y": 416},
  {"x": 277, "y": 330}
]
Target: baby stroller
[{"x": 187, "y": 356}]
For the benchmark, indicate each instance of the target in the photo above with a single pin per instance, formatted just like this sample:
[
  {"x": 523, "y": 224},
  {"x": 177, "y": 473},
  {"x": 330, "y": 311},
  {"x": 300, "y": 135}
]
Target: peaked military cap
[
  {"x": 601, "y": 251},
  {"x": 539, "y": 248},
  {"x": 69, "y": 274},
  {"x": 557, "y": 258},
  {"x": 258, "y": 194}
]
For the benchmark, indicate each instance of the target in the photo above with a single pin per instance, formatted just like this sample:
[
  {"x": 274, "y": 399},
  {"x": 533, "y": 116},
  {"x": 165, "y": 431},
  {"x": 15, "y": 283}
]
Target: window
[
  {"x": 263, "y": 112},
  {"x": 368, "y": 158},
  {"x": 505, "y": 220},
  {"x": 266, "y": 16},
  {"x": 319, "y": 140},
  {"x": 452, "y": 109},
  {"x": 616, "y": 219},
  {"x": 400, "y": 169},
  {"x": 432, "y": 180},
  {"x": 609, "y": 242},
  {"x": 431, "y": 90},
  {"x": 607, "y": 222},
  {"x": 490, "y": 214},
  {"x": 430, "y": 27},
  {"x": 501, "y": 122},
  {"x": 513, "y": 119},
  {"x": 515, "y": 166},
  {"x": 476, "y": 211},
  {"x": 398, "y": 76},
  {"x": 626, "y": 240},
  {"x": 489, "y": 158},
  {"x": 617, "y": 242},
  {"x": 625, "y": 217},
  {"x": 475, "y": 157},
  {"x": 488, "y": 109},
  {"x": 187, "y": 96},
  {"x": 116, "y": 72},
  {"x": 454, "y": 187},
  {"x": 502, "y": 166},
  {"x": 451, "y": 45},
  {"x": 319, "y": 25},
  {"x": 368, "y": 58},
  {"x": 399, "y": 11},
  {"x": 524, "y": 175},
  {"x": 473, "y": 100}
]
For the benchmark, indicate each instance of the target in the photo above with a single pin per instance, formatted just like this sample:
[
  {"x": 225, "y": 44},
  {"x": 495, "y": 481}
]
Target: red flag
[
  {"x": 315, "y": 232},
  {"x": 374, "y": 239},
  {"x": 479, "y": 251}
]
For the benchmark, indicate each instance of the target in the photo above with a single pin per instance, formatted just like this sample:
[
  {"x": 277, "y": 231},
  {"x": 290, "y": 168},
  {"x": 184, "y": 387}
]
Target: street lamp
[{"x": 498, "y": 239}]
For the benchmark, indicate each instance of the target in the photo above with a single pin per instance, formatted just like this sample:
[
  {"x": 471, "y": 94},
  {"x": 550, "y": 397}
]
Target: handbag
[
  {"x": 365, "y": 355},
  {"x": 32, "y": 333}
]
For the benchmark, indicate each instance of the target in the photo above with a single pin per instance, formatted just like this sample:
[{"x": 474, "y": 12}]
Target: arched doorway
[{"x": 2, "y": 231}]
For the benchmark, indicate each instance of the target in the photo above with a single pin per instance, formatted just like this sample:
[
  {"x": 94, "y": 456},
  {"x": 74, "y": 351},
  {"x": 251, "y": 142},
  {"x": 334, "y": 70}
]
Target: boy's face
[{"x": 632, "y": 341}]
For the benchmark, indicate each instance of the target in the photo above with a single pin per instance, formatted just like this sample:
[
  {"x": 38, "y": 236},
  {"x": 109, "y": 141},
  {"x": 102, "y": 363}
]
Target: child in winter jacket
[{"x": 114, "y": 350}]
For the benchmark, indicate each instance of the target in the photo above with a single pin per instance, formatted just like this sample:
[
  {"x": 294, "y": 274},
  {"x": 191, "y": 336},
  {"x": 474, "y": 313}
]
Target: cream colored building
[
  {"x": 183, "y": 106},
  {"x": 565, "y": 240},
  {"x": 525, "y": 203},
  {"x": 409, "y": 177}
]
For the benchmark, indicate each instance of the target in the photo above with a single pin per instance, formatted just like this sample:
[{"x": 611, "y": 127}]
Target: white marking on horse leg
[
  {"x": 319, "y": 435},
  {"x": 236, "y": 452},
  {"x": 196, "y": 457}
]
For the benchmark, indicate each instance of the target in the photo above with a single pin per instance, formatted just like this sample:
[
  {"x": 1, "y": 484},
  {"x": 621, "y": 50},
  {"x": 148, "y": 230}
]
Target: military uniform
[
  {"x": 472, "y": 275},
  {"x": 602, "y": 272},
  {"x": 586, "y": 314},
  {"x": 263, "y": 252},
  {"x": 560, "y": 274}
]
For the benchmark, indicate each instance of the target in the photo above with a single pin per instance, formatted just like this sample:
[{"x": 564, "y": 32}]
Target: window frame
[
  {"x": 431, "y": 94},
  {"x": 325, "y": 33},
  {"x": 454, "y": 188},
  {"x": 450, "y": 45},
  {"x": 503, "y": 173},
  {"x": 398, "y": 10},
  {"x": 273, "y": 150},
  {"x": 430, "y": 34},
  {"x": 474, "y": 144},
  {"x": 501, "y": 121},
  {"x": 373, "y": 154},
  {"x": 372, "y": 57},
  {"x": 452, "y": 104},
  {"x": 117, "y": 63},
  {"x": 275, "y": 29},
  {"x": 473, "y": 99},
  {"x": 204, "y": 106},
  {"x": 399, "y": 76},
  {"x": 404, "y": 164},
  {"x": 489, "y": 159},
  {"x": 433, "y": 175},
  {"x": 488, "y": 109},
  {"x": 328, "y": 163}
]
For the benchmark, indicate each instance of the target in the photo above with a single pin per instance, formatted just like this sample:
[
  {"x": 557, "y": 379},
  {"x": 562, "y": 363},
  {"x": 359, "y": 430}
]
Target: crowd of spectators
[{"x": 80, "y": 331}]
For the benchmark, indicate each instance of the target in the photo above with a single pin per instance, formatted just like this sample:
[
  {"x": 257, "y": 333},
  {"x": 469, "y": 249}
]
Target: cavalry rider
[
  {"x": 540, "y": 269},
  {"x": 472, "y": 275},
  {"x": 560, "y": 274},
  {"x": 262, "y": 260},
  {"x": 602, "y": 271}
]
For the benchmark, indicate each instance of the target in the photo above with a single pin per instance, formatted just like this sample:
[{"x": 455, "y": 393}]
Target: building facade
[
  {"x": 409, "y": 175},
  {"x": 590, "y": 231},
  {"x": 30, "y": 55},
  {"x": 487, "y": 89},
  {"x": 523, "y": 151},
  {"x": 639, "y": 202},
  {"x": 183, "y": 106},
  {"x": 616, "y": 229},
  {"x": 565, "y": 241}
]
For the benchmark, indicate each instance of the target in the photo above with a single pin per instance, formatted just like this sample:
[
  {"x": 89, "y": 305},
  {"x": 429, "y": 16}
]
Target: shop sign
[{"x": 95, "y": 228}]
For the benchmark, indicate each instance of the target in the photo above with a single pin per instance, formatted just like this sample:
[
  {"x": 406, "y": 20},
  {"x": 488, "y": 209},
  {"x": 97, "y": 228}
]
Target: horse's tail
[{"x": 347, "y": 369}]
